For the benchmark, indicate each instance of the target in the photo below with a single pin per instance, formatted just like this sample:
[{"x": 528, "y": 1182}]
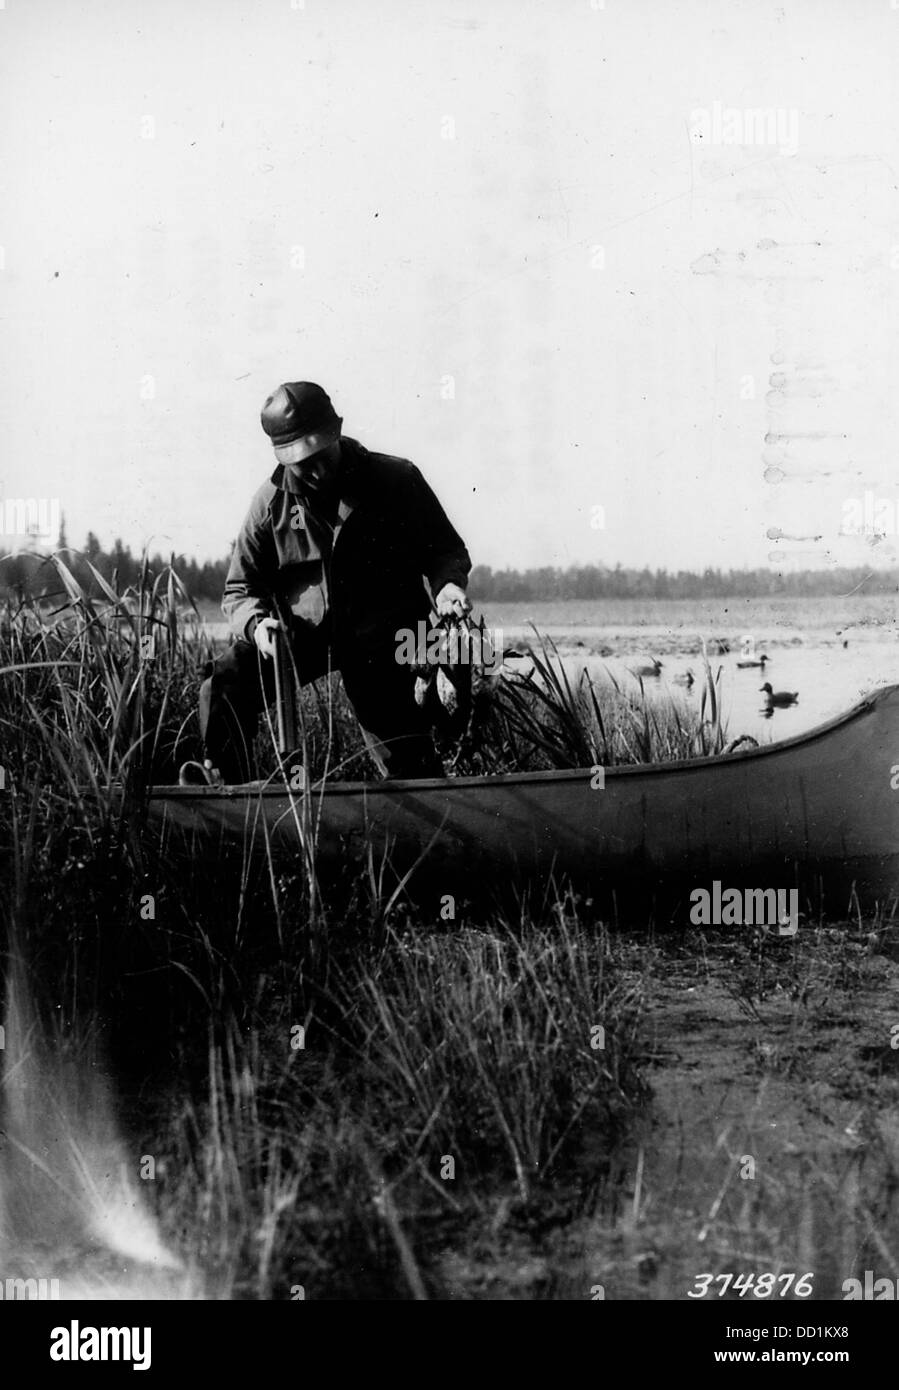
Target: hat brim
[{"x": 300, "y": 449}]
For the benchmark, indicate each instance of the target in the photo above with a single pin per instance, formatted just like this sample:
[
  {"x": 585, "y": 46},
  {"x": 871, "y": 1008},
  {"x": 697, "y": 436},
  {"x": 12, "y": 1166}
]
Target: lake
[
  {"x": 828, "y": 679},
  {"x": 803, "y": 639}
]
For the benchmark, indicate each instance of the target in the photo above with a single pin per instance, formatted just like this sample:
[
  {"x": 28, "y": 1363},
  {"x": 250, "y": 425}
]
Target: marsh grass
[
  {"x": 103, "y": 684},
  {"x": 277, "y": 1166},
  {"x": 319, "y": 1166},
  {"x": 99, "y": 687},
  {"x": 550, "y": 720},
  {"x": 300, "y": 1165},
  {"x": 497, "y": 1046}
]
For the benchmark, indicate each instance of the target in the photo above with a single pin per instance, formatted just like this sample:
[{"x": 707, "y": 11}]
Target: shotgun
[{"x": 285, "y": 695}]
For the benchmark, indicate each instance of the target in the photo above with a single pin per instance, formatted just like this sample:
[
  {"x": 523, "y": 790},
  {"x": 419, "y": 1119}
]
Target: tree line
[
  {"x": 27, "y": 575},
  {"x": 600, "y": 582}
]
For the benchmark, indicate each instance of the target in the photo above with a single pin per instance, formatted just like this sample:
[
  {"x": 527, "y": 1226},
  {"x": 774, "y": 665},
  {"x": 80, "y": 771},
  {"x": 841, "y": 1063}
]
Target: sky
[{"x": 620, "y": 276}]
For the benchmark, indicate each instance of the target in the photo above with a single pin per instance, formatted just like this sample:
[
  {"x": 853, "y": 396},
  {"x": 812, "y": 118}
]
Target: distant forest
[{"x": 25, "y": 575}]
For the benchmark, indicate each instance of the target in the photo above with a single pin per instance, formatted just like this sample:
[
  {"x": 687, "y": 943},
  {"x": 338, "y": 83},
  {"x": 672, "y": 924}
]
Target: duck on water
[
  {"x": 778, "y": 699},
  {"x": 651, "y": 668},
  {"x": 747, "y": 657}
]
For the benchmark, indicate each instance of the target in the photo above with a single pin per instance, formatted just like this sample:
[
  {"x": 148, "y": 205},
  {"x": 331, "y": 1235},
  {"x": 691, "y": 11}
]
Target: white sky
[{"x": 637, "y": 379}]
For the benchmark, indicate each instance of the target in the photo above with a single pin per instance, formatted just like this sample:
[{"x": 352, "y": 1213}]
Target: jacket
[{"x": 365, "y": 575}]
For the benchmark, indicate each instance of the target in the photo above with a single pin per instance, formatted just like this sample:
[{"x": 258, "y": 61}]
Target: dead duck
[{"x": 778, "y": 698}]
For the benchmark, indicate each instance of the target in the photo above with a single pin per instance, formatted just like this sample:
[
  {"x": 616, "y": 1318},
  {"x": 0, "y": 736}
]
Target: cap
[{"x": 300, "y": 421}]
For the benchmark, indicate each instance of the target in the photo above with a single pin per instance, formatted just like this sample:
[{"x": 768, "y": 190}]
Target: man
[{"x": 334, "y": 549}]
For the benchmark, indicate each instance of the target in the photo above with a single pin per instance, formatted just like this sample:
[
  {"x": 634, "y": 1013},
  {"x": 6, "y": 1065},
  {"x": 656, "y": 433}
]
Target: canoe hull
[{"x": 817, "y": 812}]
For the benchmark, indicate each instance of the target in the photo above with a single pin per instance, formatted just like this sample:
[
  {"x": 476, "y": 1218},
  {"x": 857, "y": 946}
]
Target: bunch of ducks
[
  {"x": 653, "y": 669},
  {"x": 747, "y": 660}
]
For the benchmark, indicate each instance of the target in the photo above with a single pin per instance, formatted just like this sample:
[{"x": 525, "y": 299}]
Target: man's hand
[
  {"x": 264, "y": 635},
  {"x": 452, "y": 602}
]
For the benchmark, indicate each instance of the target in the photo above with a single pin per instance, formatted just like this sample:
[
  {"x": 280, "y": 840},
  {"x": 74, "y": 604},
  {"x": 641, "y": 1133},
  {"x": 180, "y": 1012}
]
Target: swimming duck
[
  {"x": 684, "y": 678},
  {"x": 778, "y": 698},
  {"x": 646, "y": 670},
  {"x": 747, "y": 657}
]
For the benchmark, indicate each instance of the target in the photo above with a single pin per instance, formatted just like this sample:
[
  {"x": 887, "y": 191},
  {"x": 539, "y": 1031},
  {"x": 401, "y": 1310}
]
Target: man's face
[{"x": 316, "y": 475}]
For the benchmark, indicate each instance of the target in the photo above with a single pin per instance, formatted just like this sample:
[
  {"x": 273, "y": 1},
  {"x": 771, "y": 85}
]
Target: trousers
[{"x": 240, "y": 684}]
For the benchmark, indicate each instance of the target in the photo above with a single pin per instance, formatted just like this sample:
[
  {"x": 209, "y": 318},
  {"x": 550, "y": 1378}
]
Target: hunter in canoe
[{"x": 333, "y": 551}]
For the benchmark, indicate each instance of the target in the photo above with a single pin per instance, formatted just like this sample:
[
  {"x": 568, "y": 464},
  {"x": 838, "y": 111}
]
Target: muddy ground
[{"x": 768, "y": 1141}]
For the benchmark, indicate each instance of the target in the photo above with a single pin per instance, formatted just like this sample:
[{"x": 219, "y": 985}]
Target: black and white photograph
[{"x": 449, "y": 665}]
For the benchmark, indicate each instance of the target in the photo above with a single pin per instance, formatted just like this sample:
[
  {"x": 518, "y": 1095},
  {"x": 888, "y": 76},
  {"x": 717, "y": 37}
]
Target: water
[{"x": 829, "y": 679}]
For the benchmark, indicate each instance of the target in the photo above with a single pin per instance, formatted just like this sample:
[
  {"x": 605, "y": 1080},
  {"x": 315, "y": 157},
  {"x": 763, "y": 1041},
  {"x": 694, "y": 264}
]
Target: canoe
[{"x": 818, "y": 812}]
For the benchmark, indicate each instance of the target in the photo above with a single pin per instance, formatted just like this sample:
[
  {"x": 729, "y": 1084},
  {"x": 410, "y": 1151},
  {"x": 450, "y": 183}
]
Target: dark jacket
[{"x": 367, "y": 578}]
